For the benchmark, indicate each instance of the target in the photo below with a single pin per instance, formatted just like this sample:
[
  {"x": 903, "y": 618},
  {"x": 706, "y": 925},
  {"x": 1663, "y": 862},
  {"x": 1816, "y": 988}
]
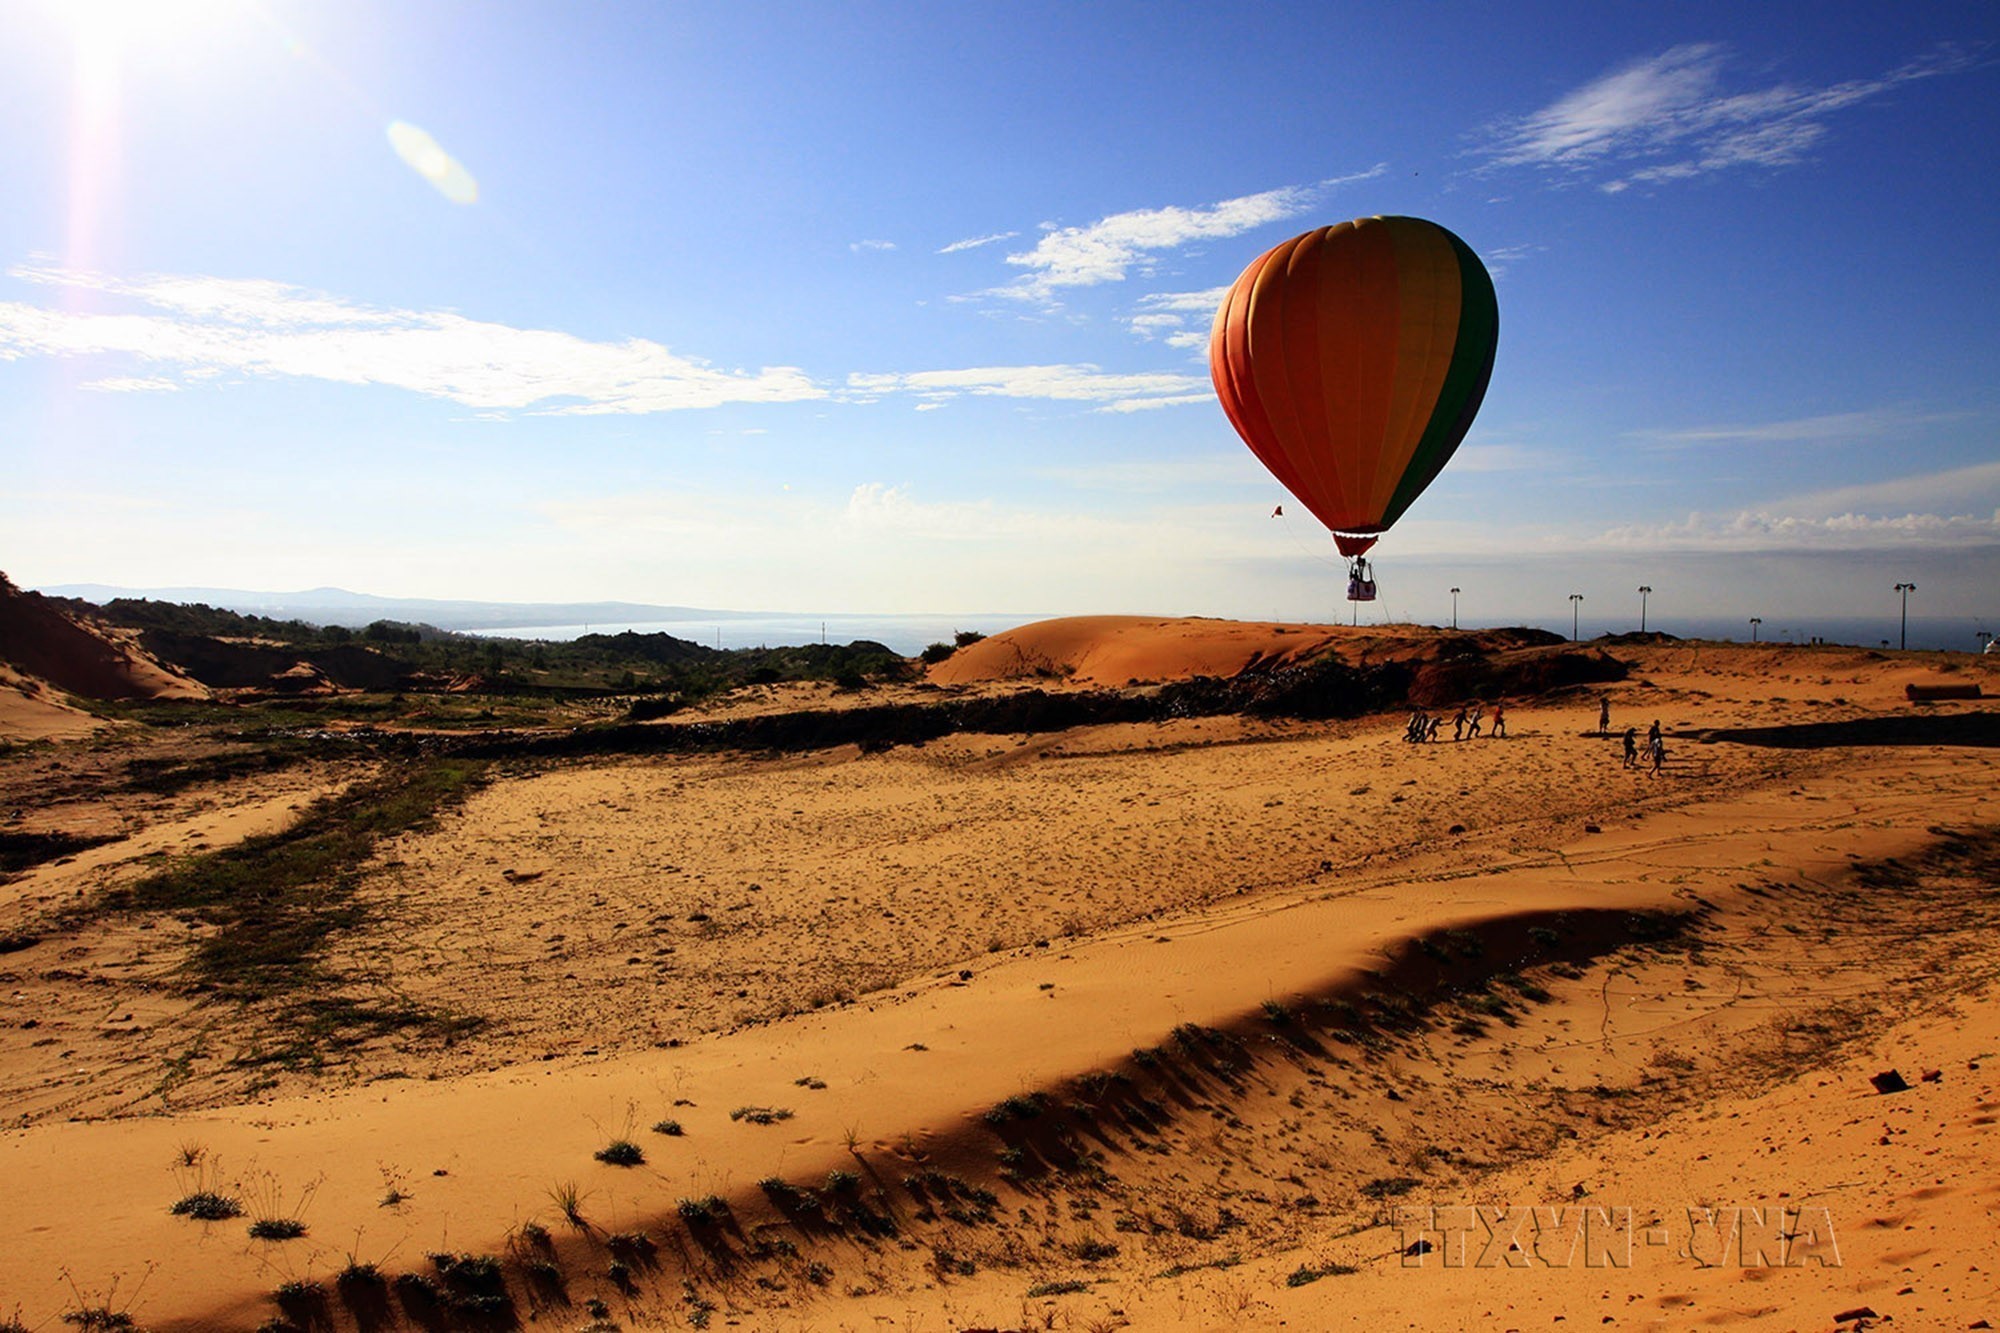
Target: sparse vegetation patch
[
  {"x": 207, "y": 1206},
  {"x": 760, "y": 1115}
]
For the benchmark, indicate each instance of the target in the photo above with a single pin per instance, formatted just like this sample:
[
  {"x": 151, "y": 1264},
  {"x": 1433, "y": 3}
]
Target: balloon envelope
[{"x": 1351, "y": 360}]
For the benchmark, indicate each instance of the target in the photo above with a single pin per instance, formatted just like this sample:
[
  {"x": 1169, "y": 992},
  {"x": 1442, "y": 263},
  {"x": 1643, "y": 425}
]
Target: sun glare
[{"x": 140, "y": 24}]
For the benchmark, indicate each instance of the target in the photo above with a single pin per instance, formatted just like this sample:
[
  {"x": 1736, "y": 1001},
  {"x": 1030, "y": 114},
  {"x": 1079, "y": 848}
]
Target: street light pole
[
  {"x": 1755, "y": 621},
  {"x": 1454, "y": 608},
  {"x": 1906, "y": 589},
  {"x": 1645, "y": 591},
  {"x": 1575, "y": 603}
]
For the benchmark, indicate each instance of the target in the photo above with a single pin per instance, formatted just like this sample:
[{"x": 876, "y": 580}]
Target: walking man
[
  {"x": 1499, "y": 719},
  {"x": 1604, "y": 715},
  {"x": 1631, "y": 746}
]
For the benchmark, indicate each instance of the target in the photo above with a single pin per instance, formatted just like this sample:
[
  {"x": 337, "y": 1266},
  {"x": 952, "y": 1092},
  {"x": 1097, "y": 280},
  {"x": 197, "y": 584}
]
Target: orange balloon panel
[{"x": 1351, "y": 360}]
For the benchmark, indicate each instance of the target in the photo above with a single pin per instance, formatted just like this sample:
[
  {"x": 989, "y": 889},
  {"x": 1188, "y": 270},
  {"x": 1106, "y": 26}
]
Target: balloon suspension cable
[{"x": 1314, "y": 551}]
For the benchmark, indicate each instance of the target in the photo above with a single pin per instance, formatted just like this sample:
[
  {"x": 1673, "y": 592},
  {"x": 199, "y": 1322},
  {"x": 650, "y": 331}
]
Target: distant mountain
[{"x": 337, "y": 606}]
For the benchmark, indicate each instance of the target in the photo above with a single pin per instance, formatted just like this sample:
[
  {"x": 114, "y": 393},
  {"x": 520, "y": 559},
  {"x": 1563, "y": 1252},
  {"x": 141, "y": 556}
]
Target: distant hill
[{"x": 338, "y": 606}]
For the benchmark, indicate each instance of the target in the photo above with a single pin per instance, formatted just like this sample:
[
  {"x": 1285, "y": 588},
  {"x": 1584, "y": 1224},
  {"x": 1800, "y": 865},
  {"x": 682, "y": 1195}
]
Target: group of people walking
[
  {"x": 1423, "y": 725},
  {"x": 1470, "y": 722},
  {"x": 1656, "y": 747}
]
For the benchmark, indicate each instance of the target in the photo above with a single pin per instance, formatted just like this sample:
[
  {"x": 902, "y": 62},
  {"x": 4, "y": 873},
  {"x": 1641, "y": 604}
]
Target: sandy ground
[
  {"x": 32, "y": 710},
  {"x": 889, "y": 946}
]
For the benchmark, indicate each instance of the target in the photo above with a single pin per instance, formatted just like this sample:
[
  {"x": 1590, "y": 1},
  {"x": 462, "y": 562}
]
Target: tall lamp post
[
  {"x": 1575, "y": 603},
  {"x": 1755, "y": 621},
  {"x": 1454, "y": 608},
  {"x": 1645, "y": 591},
  {"x": 1906, "y": 589},
  {"x": 1985, "y": 637}
]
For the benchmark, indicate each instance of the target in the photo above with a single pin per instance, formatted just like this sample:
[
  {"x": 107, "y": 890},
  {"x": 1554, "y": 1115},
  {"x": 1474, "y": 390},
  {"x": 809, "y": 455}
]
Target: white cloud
[
  {"x": 1870, "y": 424},
  {"x": 974, "y": 242},
  {"x": 1165, "y": 315},
  {"x": 130, "y": 384},
  {"x": 1203, "y": 303},
  {"x": 816, "y": 534},
  {"x": 1148, "y": 404},
  {"x": 1149, "y": 326},
  {"x": 1961, "y": 489},
  {"x": 1953, "y": 509},
  {"x": 1498, "y": 458},
  {"x": 1061, "y": 383},
  {"x": 1236, "y": 468},
  {"x": 1760, "y": 530},
  {"x": 1107, "y": 249},
  {"x": 869, "y": 247},
  {"x": 1671, "y": 117},
  {"x": 1500, "y": 258},
  {"x": 219, "y": 325}
]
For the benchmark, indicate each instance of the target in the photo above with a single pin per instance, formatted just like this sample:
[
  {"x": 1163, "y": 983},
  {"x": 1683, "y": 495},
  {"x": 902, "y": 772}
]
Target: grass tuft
[
  {"x": 761, "y": 1115},
  {"x": 207, "y": 1206},
  {"x": 621, "y": 1152}
]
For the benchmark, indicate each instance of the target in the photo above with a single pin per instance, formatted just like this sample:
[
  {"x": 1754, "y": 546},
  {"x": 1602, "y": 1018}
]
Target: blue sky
[{"x": 900, "y": 308}]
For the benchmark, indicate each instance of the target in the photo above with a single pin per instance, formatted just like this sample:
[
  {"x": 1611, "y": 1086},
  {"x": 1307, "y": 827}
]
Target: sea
[{"x": 910, "y": 634}]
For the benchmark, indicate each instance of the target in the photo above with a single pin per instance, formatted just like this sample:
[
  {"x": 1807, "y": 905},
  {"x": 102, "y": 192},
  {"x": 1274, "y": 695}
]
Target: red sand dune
[
  {"x": 1127, "y": 650},
  {"x": 39, "y": 639}
]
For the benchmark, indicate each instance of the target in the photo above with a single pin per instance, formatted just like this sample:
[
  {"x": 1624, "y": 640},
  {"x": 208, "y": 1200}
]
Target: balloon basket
[{"x": 1360, "y": 581}]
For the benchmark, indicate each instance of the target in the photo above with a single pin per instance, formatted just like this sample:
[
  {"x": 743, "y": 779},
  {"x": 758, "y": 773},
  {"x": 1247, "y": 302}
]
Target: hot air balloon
[{"x": 1351, "y": 360}]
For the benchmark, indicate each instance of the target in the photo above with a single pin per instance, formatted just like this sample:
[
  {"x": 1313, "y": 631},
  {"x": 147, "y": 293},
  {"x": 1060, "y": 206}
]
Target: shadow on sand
[{"x": 1981, "y": 729}]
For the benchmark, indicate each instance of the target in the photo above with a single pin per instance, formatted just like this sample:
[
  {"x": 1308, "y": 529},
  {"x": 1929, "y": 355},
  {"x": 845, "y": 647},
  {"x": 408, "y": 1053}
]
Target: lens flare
[{"x": 428, "y": 159}]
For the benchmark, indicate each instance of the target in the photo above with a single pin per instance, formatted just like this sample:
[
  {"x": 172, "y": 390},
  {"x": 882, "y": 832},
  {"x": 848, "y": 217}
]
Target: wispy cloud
[
  {"x": 870, "y": 246},
  {"x": 890, "y": 517},
  {"x": 218, "y": 326},
  {"x": 1957, "y": 507},
  {"x": 1203, "y": 472},
  {"x": 1758, "y": 530},
  {"x": 1059, "y": 383},
  {"x": 1499, "y": 458},
  {"x": 1675, "y": 116},
  {"x": 1149, "y": 404},
  {"x": 1172, "y": 317},
  {"x": 1955, "y": 490},
  {"x": 974, "y": 242},
  {"x": 1872, "y": 424},
  {"x": 1203, "y": 302},
  {"x": 1108, "y": 249},
  {"x": 130, "y": 384},
  {"x": 1503, "y": 257}
]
